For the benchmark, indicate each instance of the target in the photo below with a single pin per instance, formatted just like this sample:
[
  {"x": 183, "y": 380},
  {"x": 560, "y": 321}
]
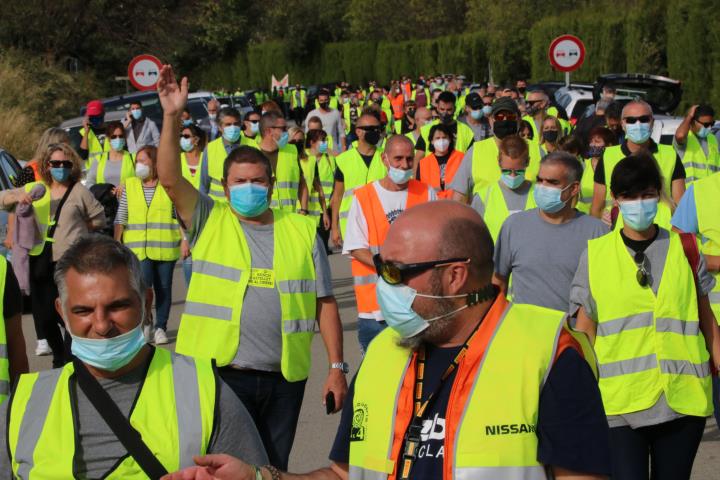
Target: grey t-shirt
[
  {"x": 516, "y": 200},
  {"x": 543, "y": 257},
  {"x": 580, "y": 296},
  {"x": 332, "y": 123},
  {"x": 113, "y": 170},
  {"x": 260, "y": 345},
  {"x": 99, "y": 450},
  {"x": 463, "y": 181}
]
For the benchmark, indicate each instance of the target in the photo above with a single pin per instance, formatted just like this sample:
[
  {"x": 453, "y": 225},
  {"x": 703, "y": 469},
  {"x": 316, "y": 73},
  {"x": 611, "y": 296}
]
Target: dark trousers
[
  {"x": 48, "y": 323},
  {"x": 671, "y": 446},
  {"x": 159, "y": 276},
  {"x": 274, "y": 404},
  {"x": 325, "y": 234},
  {"x": 298, "y": 114}
]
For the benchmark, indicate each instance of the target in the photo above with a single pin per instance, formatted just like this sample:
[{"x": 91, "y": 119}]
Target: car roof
[{"x": 77, "y": 121}]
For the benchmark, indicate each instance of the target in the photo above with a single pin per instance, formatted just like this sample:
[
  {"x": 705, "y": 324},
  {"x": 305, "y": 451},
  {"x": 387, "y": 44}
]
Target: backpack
[{"x": 103, "y": 194}]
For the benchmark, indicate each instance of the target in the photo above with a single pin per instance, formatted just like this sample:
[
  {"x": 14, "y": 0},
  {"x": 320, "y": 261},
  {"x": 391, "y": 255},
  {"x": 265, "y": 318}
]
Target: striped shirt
[{"x": 121, "y": 218}]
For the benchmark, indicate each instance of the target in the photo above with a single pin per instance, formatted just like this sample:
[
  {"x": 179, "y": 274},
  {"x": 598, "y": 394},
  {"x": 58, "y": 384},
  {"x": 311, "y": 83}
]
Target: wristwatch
[{"x": 342, "y": 366}]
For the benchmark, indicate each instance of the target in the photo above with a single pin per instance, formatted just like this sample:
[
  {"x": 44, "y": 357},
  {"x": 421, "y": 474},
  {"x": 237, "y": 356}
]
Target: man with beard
[{"x": 463, "y": 384}]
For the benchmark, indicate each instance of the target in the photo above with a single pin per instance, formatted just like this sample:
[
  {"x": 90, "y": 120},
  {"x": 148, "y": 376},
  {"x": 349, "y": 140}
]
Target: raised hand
[{"x": 173, "y": 96}]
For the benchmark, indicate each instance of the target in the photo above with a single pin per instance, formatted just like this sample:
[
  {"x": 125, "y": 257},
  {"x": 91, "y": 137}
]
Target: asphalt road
[{"x": 316, "y": 430}]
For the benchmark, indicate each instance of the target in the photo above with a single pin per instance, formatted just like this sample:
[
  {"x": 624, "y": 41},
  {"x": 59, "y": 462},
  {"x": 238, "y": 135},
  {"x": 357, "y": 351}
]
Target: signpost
[
  {"x": 144, "y": 71},
  {"x": 566, "y": 54}
]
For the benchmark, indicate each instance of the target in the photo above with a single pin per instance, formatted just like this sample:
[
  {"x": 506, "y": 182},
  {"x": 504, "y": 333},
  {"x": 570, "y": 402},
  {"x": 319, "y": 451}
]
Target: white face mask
[
  {"x": 441, "y": 145},
  {"x": 142, "y": 171}
]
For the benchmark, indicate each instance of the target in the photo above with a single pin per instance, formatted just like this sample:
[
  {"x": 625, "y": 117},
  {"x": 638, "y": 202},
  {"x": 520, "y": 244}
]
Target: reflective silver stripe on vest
[
  {"x": 215, "y": 181},
  {"x": 215, "y": 193},
  {"x": 684, "y": 367},
  {"x": 672, "y": 325},
  {"x": 152, "y": 225},
  {"x": 3, "y": 350},
  {"x": 366, "y": 280},
  {"x": 505, "y": 473},
  {"x": 612, "y": 327},
  {"x": 189, "y": 414},
  {"x": 344, "y": 214},
  {"x": 216, "y": 312},
  {"x": 216, "y": 270},
  {"x": 700, "y": 166},
  {"x": 287, "y": 202},
  {"x": 33, "y": 420},
  {"x": 298, "y": 326},
  {"x": 359, "y": 473},
  {"x": 326, "y": 184},
  {"x": 714, "y": 297},
  {"x": 296, "y": 286},
  {"x": 690, "y": 179},
  {"x": 714, "y": 168},
  {"x": 625, "y": 367},
  {"x": 349, "y": 192},
  {"x": 287, "y": 185},
  {"x": 586, "y": 199},
  {"x": 153, "y": 244}
]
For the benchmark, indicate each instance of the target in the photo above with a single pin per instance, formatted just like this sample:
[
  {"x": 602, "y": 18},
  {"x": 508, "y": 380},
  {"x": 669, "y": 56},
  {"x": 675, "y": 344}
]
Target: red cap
[{"x": 95, "y": 108}]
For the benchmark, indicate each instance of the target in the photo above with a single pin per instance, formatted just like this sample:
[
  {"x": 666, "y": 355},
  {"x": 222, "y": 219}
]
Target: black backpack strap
[{"x": 120, "y": 426}]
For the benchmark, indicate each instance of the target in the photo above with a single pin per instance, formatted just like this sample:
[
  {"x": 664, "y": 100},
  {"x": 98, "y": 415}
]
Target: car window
[
  {"x": 9, "y": 170},
  {"x": 562, "y": 99},
  {"x": 580, "y": 106},
  {"x": 198, "y": 108}
]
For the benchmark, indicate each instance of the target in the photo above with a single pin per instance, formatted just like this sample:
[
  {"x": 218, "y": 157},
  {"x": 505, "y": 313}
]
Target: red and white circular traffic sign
[
  {"x": 144, "y": 71},
  {"x": 566, "y": 53}
]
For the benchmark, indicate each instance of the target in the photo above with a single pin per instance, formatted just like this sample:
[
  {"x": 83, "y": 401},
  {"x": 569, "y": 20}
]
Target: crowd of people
[{"x": 535, "y": 298}]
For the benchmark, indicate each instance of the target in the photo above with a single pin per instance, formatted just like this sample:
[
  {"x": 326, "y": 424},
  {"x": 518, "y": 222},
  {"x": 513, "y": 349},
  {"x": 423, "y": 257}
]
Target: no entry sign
[
  {"x": 144, "y": 71},
  {"x": 566, "y": 53}
]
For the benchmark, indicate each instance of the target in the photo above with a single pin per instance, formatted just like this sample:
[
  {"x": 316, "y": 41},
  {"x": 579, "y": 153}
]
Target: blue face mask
[
  {"x": 476, "y": 114},
  {"x": 109, "y": 354},
  {"x": 395, "y": 303},
  {"x": 637, "y": 132},
  {"x": 703, "y": 132},
  {"x": 249, "y": 199},
  {"x": 639, "y": 214},
  {"x": 323, "y": 147},
  {"x": 60, "y": 174},
  {"x": 512, "y": 182},
  {"x": 117, "y": 144},
  {"x": 283, "y": 140},
  {"x": 548, "y": 199},
  {"x": 487, "y": 110},
  {"x": 136, "y": 114},
  {"x": 187, "y": 122},
  {"x": 255, "y": 127},
  {"x": 231, "y": 133},
  {"x": 186, "y": 144},
  {"x": 399, "y": 177}
]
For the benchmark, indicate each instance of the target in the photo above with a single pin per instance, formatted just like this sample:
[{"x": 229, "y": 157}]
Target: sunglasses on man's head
[
  {"x": 641, "y": 119},
  {"x": 394, "y": 273}
]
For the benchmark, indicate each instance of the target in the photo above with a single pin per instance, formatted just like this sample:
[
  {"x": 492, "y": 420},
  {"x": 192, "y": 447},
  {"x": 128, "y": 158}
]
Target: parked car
[
  {"x": 74, "y": 125},
  {"x": 9, "y": 171}
]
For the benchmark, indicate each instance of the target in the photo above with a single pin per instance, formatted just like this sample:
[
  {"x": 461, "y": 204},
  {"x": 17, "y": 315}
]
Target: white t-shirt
[{"x": 356, "y": 234}]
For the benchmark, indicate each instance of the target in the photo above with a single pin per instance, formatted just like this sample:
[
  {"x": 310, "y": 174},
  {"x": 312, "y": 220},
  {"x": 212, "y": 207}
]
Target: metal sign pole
[{"x": 567, "y": 79}]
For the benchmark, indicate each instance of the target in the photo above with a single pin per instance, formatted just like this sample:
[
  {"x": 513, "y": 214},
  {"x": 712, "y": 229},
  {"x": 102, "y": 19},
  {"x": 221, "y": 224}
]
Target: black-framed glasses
[
  {"x": 116, "y": 136},
  {"x": 283, "y": 127},
  {"x": 641, "y": 119},
  {"x": 706, "y": 124},
  {"x": 642, "y": 275},
  {"x": 186, "y": 135},
  {"x": 511, "y": 171},
  {"x": 395, "y": 274},
  {"x": 61, "y": 163},
  {"x": 370, "y": 128}
]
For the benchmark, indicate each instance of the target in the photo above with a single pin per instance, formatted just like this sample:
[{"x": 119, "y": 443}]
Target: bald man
[
  {"x": 374, "y": 208},
  {"x": 534, "y": 407},
  {"x": 422, "y": 118}
]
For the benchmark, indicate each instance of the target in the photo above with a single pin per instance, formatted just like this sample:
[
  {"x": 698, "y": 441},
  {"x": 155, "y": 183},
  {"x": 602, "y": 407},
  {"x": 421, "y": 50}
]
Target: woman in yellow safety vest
[
  {"x": 115, "y": 166},
  {"x": 319, "y": 154},
  {"x": 641, "y": 294},
  {"x": 598, "y": 139},
  {"x": 146, "y": 224},
  {"x": 192, "y": 145},
  {"x": 550, "y": 133},
  {"x": 64, "y": 212}
]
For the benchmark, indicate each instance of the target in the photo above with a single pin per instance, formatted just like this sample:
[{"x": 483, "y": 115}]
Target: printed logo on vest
[
  {"x": 360, "y": 416},
  {"x": 509, "y": 429},
  {"x": 262, "y": 278}
]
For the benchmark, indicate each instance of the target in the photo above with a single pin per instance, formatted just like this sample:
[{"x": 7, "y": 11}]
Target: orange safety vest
[
  {"x": 364, "y": 276},
  {"x": 430, "y": 172},
  {"x": 397, "y": 106},
  {"x": 462, "y": 385},
  {"x": 35, "y": 165}
]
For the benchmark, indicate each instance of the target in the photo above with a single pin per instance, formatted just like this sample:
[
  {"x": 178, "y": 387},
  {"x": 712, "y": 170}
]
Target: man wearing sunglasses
[
  {"x": 696, "y": 145},
  {"x": 480, "y": 164},
  {"x": 374, "y": 208},
  {"x": 637, "y": 121},
  {"x": 641, "y": 294},
  {"x": 464, "y": 384},
  {"x": 356, "y": 167}
]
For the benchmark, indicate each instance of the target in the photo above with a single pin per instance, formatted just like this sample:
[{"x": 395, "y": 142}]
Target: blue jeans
[
  {"x": 367, "y": 330},
  {"x": 274, "y": 405},
  {"x": 187, "y": 269},
  {"x": 159, "y": 276},
  {"x": 716, "y": 398}
]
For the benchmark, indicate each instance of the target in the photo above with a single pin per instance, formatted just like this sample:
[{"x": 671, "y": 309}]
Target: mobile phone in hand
[{"x": 329, "y": 403}]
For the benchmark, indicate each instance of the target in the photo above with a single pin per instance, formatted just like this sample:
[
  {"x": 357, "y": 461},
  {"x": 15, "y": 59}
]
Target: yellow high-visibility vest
[
  {"x": 485, "y": 166},
  {"x": 496, "y": 209},
  {"x": 356, "y": 174},
  {"x": 707, "y": 206},
  {"x": 697, "y": 164}
]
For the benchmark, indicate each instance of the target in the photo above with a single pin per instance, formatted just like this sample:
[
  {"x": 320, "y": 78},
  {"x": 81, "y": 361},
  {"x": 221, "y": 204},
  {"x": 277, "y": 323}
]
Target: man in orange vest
[{"x": 374, "y": 207}]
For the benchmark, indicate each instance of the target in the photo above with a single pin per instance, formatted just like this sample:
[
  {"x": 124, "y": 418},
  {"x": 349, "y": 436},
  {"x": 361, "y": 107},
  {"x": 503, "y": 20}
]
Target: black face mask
[
  {"x": 410, "y": 113},
  {"x": 446, "y": 118},
  {"x": 522, "y": 90},
  {"x": 372, "y": 137},
  {"x": 550, "y": 135},
  {"x": 503, "y": 128},
  {"x": 324, "y": 105}
]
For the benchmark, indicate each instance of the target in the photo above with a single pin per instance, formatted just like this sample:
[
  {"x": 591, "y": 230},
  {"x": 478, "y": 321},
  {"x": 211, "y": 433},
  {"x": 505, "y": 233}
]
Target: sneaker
[
  {"x": 160, "y": 337},
  {"x": 42, "y": 348}
]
